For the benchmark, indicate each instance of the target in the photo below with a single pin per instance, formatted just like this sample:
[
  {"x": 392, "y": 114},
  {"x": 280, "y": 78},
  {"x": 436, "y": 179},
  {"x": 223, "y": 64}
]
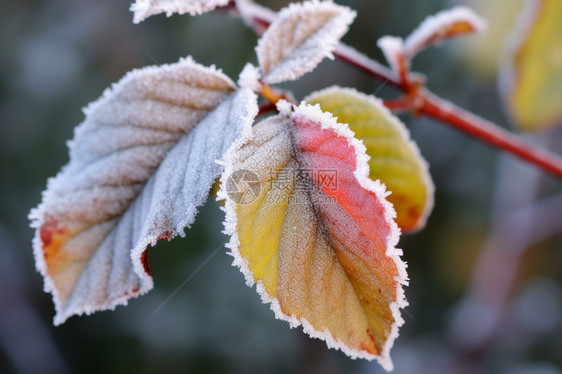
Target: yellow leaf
[
  {"x": 532, "y": 83},
  {"x": 395, "y": 159},
  {"x": 315, "y": 233}
]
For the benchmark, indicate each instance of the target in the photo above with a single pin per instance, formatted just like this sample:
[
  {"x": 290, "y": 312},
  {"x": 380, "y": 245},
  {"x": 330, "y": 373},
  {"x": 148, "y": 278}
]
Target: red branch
[
  {"x": 494, "y": 135},
  {"x": 365, "y": 64},
  {"x": 259, "y": 18}
]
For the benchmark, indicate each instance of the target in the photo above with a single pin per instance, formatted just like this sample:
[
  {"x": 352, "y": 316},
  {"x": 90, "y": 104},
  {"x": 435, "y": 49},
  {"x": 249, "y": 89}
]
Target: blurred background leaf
[{"x": 532, "y": 75}]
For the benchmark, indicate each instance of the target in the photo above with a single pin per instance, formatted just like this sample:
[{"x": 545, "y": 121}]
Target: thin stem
[
  {"x": 371, "y": 67},
  {"x": 461, "y": 119},
  {"x": 270, "y": 94},
  {"x": 272, "y": 97}
]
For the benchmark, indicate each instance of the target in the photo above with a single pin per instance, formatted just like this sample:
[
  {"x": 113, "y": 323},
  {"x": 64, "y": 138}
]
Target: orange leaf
[{"x": 315, "y": 233}]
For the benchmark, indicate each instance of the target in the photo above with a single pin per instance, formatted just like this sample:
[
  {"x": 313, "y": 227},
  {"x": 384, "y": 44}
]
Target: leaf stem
[{"x": 270, "y": 94}]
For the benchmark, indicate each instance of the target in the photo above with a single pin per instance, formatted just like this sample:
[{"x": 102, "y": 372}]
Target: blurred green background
[{"x": 57, "y": 56}]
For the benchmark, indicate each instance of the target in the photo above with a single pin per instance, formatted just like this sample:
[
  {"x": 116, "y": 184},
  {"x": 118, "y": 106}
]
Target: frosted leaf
[
  {"x": 392, "y": 47},
  {"x": 300, "y": 37},
  {"x": 446, "y": 24},
  {"x": 140, "y": 164},
  {"x": 145, "y": 8},
  {"x": 314, "y": 233}
]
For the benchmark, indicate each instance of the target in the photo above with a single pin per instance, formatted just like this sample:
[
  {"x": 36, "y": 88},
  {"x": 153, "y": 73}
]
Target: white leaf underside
[
  {"x": 145, "y": 8},
  {"x": 141, "y": 163},
  {"x": 300, "y": 37}
]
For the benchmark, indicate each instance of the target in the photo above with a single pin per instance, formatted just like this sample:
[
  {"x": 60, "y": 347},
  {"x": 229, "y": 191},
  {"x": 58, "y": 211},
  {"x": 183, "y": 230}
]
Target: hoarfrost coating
[{"x": 140, "y": 165}]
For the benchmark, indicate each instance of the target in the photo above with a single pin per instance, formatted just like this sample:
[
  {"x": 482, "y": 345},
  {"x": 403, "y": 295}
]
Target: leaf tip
[
  {"x": 250, "y": 78},
  {"x": 392, "y": 47}
]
